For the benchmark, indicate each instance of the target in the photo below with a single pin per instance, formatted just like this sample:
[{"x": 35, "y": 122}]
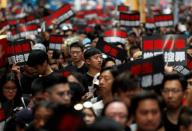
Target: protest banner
[
  {"x": 172, "y": 46},
  {"x": 62, "y": 14},
  {"x": 18, "y": 51},
  {"x": 150, "y": 23},
  {"x": 150, "y": 70},
  {"x": 115, "y": 35},
  {"x": 123, "y": 8},
  {"x": 23, "y": 31},
  {"x": 164, "y": 20},
  {"x": 55, "y": 42},
  {"x": 129, "y": 19},
  {"x": 111, "y": 50}
]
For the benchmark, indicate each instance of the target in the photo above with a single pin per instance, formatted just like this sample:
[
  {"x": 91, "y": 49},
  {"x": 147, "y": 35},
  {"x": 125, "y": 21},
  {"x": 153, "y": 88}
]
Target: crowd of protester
[{"x": 78, "y": 88}]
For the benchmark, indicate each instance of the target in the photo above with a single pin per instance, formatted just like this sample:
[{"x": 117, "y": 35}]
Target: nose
[
  {"x": 150, "y": 117},
  {"x": 170, "y": 94},
  {"x": 67, "y": 99},
  {"x": 101, "y": 82},
  {"x": 100, "y": 59},
  {"x": 117, "y": 119},
  {"x": 41, "y": 123}
]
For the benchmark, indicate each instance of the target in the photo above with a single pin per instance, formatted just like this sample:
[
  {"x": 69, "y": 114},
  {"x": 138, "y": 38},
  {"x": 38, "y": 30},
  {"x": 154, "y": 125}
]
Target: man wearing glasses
[{"x": 173, "y": 89}]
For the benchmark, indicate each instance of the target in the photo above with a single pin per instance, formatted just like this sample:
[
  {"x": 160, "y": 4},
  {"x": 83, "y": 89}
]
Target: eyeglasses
[
  {"x": 9, "y": 89},
  {"x": 166, "y": 91},
  {"x": 80, "y": 106}
]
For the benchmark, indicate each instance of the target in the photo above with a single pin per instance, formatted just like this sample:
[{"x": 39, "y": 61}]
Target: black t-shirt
[
  {"x": 83, "y": 69},
  {"x": 89, "y": 81},
  {"x": 26, "y": 82},
  {"x": 168, "y": 125}
]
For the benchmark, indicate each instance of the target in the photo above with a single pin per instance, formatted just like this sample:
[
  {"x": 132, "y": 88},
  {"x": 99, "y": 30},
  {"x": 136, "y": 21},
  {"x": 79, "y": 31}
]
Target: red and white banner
[
  {"x": 18, "y": 51},
  {"x": 129, "y": 19},
  {"x": 62, "y": 14},
  {"x": 150, "y": 71},
  {"x": 55, "y": 42},
  {"x": 111, "y": 50},
  {"x": 172, "y": 46},
  {"x": 150, "y": 23},
  {"x": 164, "y": 20},
  {"x": 115, "y": 35},
  {"x": 123, "y": 8},
  {"x": 24, "y": 30}
]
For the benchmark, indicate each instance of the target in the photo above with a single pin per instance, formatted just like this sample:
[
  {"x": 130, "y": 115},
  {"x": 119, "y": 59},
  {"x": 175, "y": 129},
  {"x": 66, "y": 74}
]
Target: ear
[
  {"x": 87, "y": 61},
  {"x": 46, "y": 95}
]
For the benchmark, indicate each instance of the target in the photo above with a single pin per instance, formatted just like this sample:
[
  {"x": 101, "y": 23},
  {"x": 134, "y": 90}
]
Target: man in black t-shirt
[
  {"x": 77, "y": 65},
  {"x": 93, "y": 59},
  {"x": 172, "y": 93}
]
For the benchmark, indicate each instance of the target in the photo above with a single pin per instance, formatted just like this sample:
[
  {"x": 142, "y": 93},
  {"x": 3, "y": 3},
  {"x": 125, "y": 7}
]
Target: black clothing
[{"x": 72, "y": 68}]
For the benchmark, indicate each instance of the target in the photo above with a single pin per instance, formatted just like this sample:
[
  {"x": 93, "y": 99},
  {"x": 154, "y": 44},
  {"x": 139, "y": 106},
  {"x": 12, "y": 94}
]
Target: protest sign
[
  {"x": 150, "y": 71},
  {"x": 18, "y": 51},
  {"x": 123, "y": 8},
  {"x": 111, "y": 50},
  {"x": 164, "y": 20},
  {"x": 55, "y": 42},
  {"x": 129, "y": 19},
  {"x": 62, "y": 14},
  {"x": 23, "y": 31},
  {"x": 150, "y": 23},
  {"x": 115, "y": 35},
  {"x": 172, "y": 46}
]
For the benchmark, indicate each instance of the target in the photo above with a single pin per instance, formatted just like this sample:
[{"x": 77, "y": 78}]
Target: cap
[{"x": 39, "y": 46}]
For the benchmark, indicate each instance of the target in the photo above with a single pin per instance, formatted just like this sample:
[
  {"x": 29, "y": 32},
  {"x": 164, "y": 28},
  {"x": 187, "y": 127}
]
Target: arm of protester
[
  {"x": 16, "y": 69},
  {"x": 87, "y": 96},
  {"x": 137, "y": 55},
  {"x": 168, "y": 69}
]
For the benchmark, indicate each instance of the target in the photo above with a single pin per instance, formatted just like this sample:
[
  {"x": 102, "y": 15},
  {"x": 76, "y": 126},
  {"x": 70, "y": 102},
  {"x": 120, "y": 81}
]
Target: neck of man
[
  {"x": 92, "y": 71},
  {"x": 78, "y": 64},
  {"x": 107, "y": 98},
  {"x": 172, "y": 115},
  {"x": 48, "y": 71}
]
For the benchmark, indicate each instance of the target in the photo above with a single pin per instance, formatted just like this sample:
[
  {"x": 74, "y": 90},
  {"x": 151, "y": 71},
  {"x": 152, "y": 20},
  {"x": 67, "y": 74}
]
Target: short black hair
[
  {"x": 105, "y": 124},
  {"x": 133, "y": 47},
  {"x": 37, "y": 57},
  {"x": 123, "y": 82},
  {"x": 38, "y": 85},
  {"x": 78, "y": 45},
  {"x": 45, "y": 104},
  {"x": 144, "y": 95},
  {"x": 113, "y": 71},
  {"x": 53, "y": 80},
  {"x": 107, "y": 60},
  {"x": 175, "y": 76},
  {"x": 77, "y": 91},
  {"x": 91, "y": 52}
]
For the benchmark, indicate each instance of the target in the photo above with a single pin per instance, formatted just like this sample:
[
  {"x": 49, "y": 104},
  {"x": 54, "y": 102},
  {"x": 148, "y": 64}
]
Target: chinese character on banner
[
  {"x": 173, "y": 47},
  {"x": 18, "y": 51}
]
